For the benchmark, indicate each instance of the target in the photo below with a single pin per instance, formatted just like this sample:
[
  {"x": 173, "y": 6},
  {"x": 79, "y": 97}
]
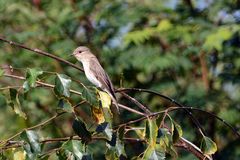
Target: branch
[
  {"x": 39, "y": 83},
  {"x": 33, "y": 127},
  {"x": 40, "y": 52},
  {"x": 145, "y": 109},
  {"x": 195, "y": 121}
]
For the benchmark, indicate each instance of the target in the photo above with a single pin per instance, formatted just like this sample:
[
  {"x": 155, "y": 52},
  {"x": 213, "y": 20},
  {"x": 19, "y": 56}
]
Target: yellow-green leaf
[{"x": 208, "y": 146}]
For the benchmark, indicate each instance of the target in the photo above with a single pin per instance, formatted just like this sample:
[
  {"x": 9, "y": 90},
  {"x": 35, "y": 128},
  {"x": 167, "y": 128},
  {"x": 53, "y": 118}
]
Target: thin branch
[
  {"x": 39, "y": 83},
  {"x": 195, "y": 121},
  {"x": 33, "y": 127},
  {"x": 40, "y": 52},
  {"x": 145, "y": 109},
  {"x": 131, "y": 110}
]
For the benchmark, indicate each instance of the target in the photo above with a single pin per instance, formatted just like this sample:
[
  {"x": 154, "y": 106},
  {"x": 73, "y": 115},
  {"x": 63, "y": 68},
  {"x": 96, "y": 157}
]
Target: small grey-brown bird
[{"x": 94, "y": 71}]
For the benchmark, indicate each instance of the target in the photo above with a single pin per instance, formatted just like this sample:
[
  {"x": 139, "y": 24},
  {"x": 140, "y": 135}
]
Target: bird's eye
[{"x": 79, "y": 51}]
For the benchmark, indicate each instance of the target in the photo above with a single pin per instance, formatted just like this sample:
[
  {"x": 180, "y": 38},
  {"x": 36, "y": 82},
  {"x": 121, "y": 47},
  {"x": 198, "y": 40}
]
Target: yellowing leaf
[
  {"x": 105, "y": 99},
  {"x": 19, "y": 155},
  {"x": 106, "y": 103},
  {"x": 98, "y": 115},
  {"x": 208, "y": 146}
]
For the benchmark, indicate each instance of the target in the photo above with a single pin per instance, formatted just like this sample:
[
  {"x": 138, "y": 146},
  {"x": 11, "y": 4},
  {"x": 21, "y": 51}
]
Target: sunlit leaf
[
  {"x": 15, "y": 103},
  {"x": 32, "y": 75},
  {"x": 75, "y": 147},
  {"x": 151, "y": 133},
  {"x": 19, "y": 155},
  {"x": 176, "y": 131},
  {"x": 105, "y": 100},
  {"x": 208, "y": 146},
  {"x": 80, "y": 129},
  {"x": 32, "y": 146},
  {"x": 62, "y": 85}
]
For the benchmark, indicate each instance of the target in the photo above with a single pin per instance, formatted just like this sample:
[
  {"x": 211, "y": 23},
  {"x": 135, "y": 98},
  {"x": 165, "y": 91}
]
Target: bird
[{"x": 95, "y": 72}]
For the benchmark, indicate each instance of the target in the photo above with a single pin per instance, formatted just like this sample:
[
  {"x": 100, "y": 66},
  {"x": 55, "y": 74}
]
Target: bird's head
[{"x": 82, "y": 53}]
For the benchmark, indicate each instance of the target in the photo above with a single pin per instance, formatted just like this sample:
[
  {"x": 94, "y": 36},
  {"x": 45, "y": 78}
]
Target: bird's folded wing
[{"x": 101, "y": 76}]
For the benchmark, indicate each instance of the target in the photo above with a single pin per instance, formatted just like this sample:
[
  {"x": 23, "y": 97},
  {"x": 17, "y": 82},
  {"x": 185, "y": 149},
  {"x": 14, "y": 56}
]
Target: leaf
[
  {"x": 32, "y": 146},
  {"x": 19, "y": 155},
  {"x": 98, "y": 114},
  {"x": 106, "y": 129},
  {"x": 116, "y": 147},
  {"x": 65, "y": 105},
  {"x": 105, "y": 100},
  {"x": 62, "y": 85},
  {"x": 151, "y": 133},
  {"x": 80, "y": 129},
  {"x": 176, "y": 131},
  {"x": 75, "y": 147},
  {"x": 15, "y": 103},
  {"x": 208, "y": 146},
  {"x": 165, "y": 144},
  {"x": 32, "y": 75},
  {"x": 90, "y": 96}
]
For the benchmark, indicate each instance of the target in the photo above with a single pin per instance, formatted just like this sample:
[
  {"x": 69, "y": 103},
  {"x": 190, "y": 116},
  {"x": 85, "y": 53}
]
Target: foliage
[{"x": 188, "y": 50}]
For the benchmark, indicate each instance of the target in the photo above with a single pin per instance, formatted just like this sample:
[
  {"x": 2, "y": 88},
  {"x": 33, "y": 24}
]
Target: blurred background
[{"x": 188, "y": 50}]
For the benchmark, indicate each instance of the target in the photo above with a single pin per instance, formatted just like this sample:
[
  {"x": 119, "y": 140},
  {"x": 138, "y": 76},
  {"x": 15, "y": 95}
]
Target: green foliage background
[{"x": 187, "y": 50}]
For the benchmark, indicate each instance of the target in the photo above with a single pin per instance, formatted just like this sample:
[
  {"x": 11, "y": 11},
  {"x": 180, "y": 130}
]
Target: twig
[
  {"x": 40, "y": 52},
  {"x": 33, "y": 127},
  {"x": 131, "y": 110},
  {"x": 145, "y": 109},
  {"x": 39, "y": 83},
  {"x": 199, "y": 127}
]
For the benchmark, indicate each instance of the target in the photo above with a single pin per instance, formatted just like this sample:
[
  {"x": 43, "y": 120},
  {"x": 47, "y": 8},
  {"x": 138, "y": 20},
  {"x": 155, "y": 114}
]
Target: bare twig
[
  {"x": 199, "y": 127},
  {"x": 40, "y": 52},
  {"x": 39, "y": 83},
  {"x": 145, "y": 109},
  {"x": 131, "y": 110}
]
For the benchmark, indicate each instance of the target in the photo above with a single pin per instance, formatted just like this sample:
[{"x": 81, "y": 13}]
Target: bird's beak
[{"x": 71, "y": 55}]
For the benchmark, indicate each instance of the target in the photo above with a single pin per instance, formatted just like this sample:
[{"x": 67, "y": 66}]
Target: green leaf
[
  {"x": 15, "y": 103},
  {"x": 32, "y": 146},
  {"x": 151, "y": 133},
  {"x": 75, "y": 147},
  {"x": 80, "y": 129},
  {"x": 208, "y": 146},
  {"x": 32, "y": 75},
  {"x": 90, "y": 96},
  {"x": 62, "y": 85},
  {"x": 65, "y": 105},
  {"x": 115, "y": 148},
  {"x": 176, "y": 131}
]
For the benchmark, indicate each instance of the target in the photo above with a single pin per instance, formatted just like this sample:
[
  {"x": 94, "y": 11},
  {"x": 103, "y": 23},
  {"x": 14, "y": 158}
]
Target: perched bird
[{"x": 94, "y": 71}]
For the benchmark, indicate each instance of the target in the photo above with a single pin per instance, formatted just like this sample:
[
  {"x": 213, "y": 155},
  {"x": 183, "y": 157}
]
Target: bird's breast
[{"x": 90, "y": 75}]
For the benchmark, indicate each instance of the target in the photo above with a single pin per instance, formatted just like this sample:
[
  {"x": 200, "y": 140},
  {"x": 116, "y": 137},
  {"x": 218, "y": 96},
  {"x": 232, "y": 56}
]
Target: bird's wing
[{"x": 101, "y": 76}]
